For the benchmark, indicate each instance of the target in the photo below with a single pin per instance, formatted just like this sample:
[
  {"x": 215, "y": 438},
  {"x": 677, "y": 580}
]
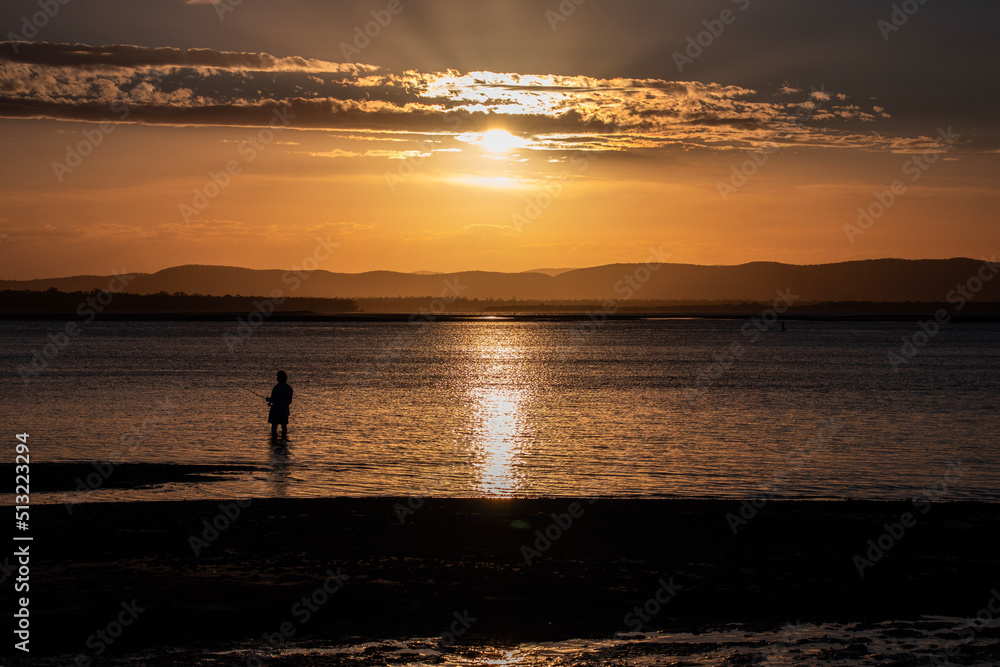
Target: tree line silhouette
[{"x": 54, "y": 301}]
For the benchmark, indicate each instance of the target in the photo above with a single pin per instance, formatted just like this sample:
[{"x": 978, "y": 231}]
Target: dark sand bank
[
  {"x": 793, "y": 561},
  {"x": 66, "y": 477}
]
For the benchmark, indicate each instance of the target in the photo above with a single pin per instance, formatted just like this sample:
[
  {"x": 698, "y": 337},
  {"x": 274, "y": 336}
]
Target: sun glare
[{"x": 499, "y": 141}]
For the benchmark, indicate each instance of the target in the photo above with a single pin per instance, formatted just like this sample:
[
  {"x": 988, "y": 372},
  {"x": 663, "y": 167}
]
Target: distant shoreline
[
  {"x": 130, "y": 307},
  {"x": 987, "y": 317}
]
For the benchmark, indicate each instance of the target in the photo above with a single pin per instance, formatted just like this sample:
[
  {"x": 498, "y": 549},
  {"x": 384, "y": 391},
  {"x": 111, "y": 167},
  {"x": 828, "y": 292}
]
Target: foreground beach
[{"x": 204, "y": 574}]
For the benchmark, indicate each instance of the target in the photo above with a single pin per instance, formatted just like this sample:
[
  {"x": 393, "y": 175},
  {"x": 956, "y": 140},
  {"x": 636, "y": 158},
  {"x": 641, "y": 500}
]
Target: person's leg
[
  {"x": 274, "y": 430},
  {"x": 284, "y": 430}
]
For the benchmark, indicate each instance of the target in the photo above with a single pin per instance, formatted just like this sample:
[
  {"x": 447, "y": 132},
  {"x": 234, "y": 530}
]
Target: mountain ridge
[{"x": 889, "y": 279}]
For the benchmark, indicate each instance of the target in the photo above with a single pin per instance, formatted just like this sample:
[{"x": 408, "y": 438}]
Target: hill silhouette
[{"x": 882, "y": 280}]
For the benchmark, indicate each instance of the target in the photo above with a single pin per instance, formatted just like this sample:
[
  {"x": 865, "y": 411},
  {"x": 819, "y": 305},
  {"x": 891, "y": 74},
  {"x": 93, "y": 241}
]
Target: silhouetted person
[{"x": 280, "y": 399}]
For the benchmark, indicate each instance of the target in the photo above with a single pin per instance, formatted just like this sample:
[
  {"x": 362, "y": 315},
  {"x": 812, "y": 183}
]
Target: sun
[
  {"x": 494, "y": 141},
  {"x": 500, "y": 141}
]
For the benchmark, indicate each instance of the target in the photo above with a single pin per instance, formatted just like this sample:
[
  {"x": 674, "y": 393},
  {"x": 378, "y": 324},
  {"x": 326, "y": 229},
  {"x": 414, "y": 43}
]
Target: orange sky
[{"x": 438, "y": 170}]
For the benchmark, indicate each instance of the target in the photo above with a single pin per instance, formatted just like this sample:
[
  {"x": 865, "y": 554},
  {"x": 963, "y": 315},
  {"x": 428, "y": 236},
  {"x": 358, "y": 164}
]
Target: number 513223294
[{"x": 21, "y": 471}]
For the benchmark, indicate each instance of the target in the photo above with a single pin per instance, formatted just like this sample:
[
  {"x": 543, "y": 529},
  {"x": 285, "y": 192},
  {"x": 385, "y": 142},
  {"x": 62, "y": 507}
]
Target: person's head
[{"x": 282, "y": 376}]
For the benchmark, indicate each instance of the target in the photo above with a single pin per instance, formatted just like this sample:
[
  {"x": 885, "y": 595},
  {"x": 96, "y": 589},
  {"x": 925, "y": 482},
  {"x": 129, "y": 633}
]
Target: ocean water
[{"x": 651, "y": 408}]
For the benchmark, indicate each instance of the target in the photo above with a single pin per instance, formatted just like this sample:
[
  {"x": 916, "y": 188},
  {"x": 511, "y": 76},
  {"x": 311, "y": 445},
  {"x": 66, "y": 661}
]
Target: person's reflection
[{"x": 280, "y": 460}]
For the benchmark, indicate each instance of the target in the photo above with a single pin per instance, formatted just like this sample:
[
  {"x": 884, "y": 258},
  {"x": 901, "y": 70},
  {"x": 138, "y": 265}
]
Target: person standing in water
[{"x": 279, "y": 400}]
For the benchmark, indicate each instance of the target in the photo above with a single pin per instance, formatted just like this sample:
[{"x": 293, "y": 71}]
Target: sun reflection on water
[
  {"x": 498, "y": 447},
  {"x": 499, "y": 394}
]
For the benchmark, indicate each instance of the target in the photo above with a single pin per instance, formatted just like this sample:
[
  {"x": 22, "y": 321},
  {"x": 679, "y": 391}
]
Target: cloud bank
[{"x": 168, "y": 86}]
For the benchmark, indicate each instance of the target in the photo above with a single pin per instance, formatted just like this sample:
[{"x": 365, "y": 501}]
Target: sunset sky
[{"x": 508, "y": 135}]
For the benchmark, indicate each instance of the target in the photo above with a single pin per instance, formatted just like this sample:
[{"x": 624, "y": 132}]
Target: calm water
[{"x": 505, "y": 408}]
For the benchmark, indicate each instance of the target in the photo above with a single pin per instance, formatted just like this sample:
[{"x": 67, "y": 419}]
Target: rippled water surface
[{"x": 502, "y": 408}]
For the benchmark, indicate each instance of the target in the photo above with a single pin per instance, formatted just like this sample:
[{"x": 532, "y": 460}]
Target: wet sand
[{"x": 461, "y": 564}]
